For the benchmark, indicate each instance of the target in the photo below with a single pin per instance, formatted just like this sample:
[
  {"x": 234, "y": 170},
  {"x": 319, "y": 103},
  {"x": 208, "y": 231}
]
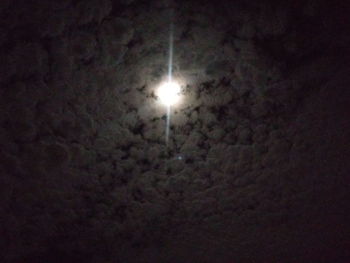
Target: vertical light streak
[
  {"x": 167, "y": 128},
  {"x": 170, "y": 76},
  {"x": 171, "y": 52}
]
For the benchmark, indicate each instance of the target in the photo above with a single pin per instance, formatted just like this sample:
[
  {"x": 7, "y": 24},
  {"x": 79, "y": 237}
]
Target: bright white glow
[{"x": 169, "y": 93}]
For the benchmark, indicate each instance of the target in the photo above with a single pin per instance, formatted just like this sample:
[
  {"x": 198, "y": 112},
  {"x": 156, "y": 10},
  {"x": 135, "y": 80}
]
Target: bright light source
[{"x": 169, "y": 93}]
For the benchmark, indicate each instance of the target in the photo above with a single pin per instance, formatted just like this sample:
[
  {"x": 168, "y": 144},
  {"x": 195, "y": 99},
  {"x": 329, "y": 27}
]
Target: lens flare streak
[{"x": 170, "y": 73}]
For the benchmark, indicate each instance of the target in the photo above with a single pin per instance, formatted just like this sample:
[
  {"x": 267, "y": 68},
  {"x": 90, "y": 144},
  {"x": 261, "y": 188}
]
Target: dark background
[{"x": 262, "y": 132}]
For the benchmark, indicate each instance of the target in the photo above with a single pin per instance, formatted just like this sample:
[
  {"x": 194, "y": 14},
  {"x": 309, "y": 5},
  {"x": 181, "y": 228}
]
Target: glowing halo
[{"x": 169, "y": 93}]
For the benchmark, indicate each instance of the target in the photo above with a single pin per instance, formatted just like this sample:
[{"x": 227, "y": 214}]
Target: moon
[{"x": 169, "y": 93}]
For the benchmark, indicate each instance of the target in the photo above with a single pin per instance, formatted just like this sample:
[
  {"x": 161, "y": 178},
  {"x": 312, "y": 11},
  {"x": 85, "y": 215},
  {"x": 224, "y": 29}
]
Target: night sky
[{"x": 256, "y": 164}]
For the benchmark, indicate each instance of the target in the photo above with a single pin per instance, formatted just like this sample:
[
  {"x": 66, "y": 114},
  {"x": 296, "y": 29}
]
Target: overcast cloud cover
[{"x": 257, "y": 164}]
